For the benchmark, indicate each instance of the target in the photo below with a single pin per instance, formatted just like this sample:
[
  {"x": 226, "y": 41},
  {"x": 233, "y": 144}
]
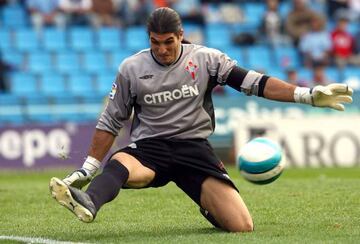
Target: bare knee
[
  {"x": 226, "y": 206},
  {"x": 246, "y": 225},
  {"x": 139, "y": 175}
]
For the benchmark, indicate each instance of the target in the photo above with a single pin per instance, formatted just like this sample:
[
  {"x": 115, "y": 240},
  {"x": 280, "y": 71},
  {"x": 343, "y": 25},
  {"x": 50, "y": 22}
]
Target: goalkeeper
[{"x": 168, "y": 86}]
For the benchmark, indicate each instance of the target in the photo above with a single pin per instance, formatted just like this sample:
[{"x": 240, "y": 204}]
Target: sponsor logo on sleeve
[{"x": 113, "y": 91}]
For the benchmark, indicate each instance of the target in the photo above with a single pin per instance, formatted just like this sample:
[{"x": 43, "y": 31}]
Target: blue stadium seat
[
  {"x": 40, "y": 62},
  {"x": 253, "y": 13},
  {"x": 259, "y": 58},
  {"x": 136, "y": 38},
  {"x": 14, "y": 16},
  {"x": 95, "y": 62},
  {"x": 278, "y": 73},
  {"x": 38, "y": 108},
  {"x": 218, "y": 35},
  {"x": 109, "y": 39},
  {"x": 235, "y": 53},
  {"x": 351, "y": 73},
  {"x": 104, "y": 83},
  {"x": 92, "y": 106},
  {"x": 287, "y": 57},
  {"x": 54, "y": 39},
  {"x": 11, "y": 109},
  {"x": 13, "y": 58},
  {"x": 67, "y": 62},
  {"x": 189, "y": 27},
  {"x": 353, "y": 27},
  {"x": 284, "y": 8},
  {"x": 26, "y": 40},
  {"x": 81, "y": 85},
  {"x": 66, "y": 107},
  {"x": 10, "y": 99},
  {"x": 23, "y": 83},
  {"x": 81, "y": 38},
  {"x": 5, "y": 39},
  {"x": 52, "y": 83},
  {"x": 305, "y": 74},
  {"x": 119, "y": 56},
  {"x": 333, "y": 74}
]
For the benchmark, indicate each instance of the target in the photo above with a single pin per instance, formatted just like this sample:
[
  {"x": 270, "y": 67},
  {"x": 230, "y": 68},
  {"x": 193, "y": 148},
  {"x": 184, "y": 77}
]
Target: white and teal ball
[{"x": 261, "y": 161}]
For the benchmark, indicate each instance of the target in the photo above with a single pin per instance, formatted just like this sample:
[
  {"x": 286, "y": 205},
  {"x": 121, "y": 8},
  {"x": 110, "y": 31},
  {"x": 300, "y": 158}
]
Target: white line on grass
[{"x": 36, "y": 240}]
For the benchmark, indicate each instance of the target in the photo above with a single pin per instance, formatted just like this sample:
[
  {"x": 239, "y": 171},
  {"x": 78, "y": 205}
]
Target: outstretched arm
[
  {"x": 332, "y": 95},
  {"x": 276, "y": 89},
  {"x": 253, "y": 83}
]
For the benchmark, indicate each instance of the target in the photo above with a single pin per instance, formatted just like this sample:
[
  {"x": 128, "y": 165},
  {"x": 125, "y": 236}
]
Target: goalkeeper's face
[{"x": 166, "y": 47}]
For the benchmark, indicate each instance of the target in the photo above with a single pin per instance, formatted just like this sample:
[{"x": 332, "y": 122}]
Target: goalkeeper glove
[
  {"x": 331, "y": 96},
  {"x": 81, "y": 177}
]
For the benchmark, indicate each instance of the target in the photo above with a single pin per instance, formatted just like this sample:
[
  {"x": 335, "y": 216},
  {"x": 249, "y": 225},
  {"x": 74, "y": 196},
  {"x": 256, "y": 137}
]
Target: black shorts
[{"x": 186, "y": 162}]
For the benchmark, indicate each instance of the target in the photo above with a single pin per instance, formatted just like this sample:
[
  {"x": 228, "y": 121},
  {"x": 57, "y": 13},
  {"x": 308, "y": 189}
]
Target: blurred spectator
[
  {"x": 133, "y": 12},
  {"x": 334, "y": 7},
  {"x": 190, "y": 11},
  {"x": 357, "y": 44},
  {"x": 77, "y": 12},
  {"x": 272, "y": 25},
  {"x": 354, "y": 10},
  {"x": 3, "y": 3},
  {"x": 231, "y": 13},
  {"x": 102, "y": 13},
  {"x": 319, "y": 76},
  {"x": 344, "y": 8},
  {"x": 292, "y": 77},
  {"x": 343, "y": 45},
  {"x": 45, "y": 13},
  {"x": 163, "y": 3},
  {"x": 298, "y": 21},
  {"x": 5, "y": 68},
  {"x": 315, "y": 46}
]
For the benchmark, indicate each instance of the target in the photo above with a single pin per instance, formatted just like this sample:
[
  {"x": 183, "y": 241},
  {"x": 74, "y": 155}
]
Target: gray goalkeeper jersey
[{"x": 168, "y": 101}]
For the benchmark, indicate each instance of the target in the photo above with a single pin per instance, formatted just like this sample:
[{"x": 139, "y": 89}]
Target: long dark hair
[{"x": 164, "y": 20}]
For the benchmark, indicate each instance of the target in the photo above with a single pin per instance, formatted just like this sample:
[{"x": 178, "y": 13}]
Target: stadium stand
[
  {"x": 40, "y": 62},
  {"x": 14, "y": 16},
  {"x": 81, "y": 38},
  {"x": 26, "y": 40},
  {"x": 95, "y": 62},
  {"x": 52, "y": 84},
  {"x": 13, "y": 57},
  {"x": 38, "y": 109},
  {"x": 54, "y": 39},
  {"x": 136, "y": 38},
  {"x": 109, "y": 39},
  {"x": 11, "y": 112},
  {"x": 71, "y": 70},
  {"x": 23, "y": 84},
  {"x": 67, "y": 62}
]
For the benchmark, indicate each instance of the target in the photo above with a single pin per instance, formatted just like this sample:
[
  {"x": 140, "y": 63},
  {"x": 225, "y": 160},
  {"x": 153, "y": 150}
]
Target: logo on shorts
[
  {"x": 226, "y": 176},
  {"x": 133, "y": 146},
  {"x": 192, "y": 69}
]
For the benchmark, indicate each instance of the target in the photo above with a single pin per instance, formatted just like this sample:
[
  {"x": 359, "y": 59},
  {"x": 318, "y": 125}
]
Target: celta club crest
[{"x": 192, "y": 68}]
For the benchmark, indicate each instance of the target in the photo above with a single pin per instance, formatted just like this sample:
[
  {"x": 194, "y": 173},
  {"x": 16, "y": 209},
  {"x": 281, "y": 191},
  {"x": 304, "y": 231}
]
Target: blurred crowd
[{"x": 322, "y": 38}]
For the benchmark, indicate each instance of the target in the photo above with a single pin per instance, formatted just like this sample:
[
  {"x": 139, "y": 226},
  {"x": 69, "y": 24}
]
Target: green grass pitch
[{"x": 302, "y": 206}]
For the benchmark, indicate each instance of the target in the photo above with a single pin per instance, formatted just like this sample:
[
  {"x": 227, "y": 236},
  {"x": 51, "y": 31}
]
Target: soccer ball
[{"x": 261, "y": 161}]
